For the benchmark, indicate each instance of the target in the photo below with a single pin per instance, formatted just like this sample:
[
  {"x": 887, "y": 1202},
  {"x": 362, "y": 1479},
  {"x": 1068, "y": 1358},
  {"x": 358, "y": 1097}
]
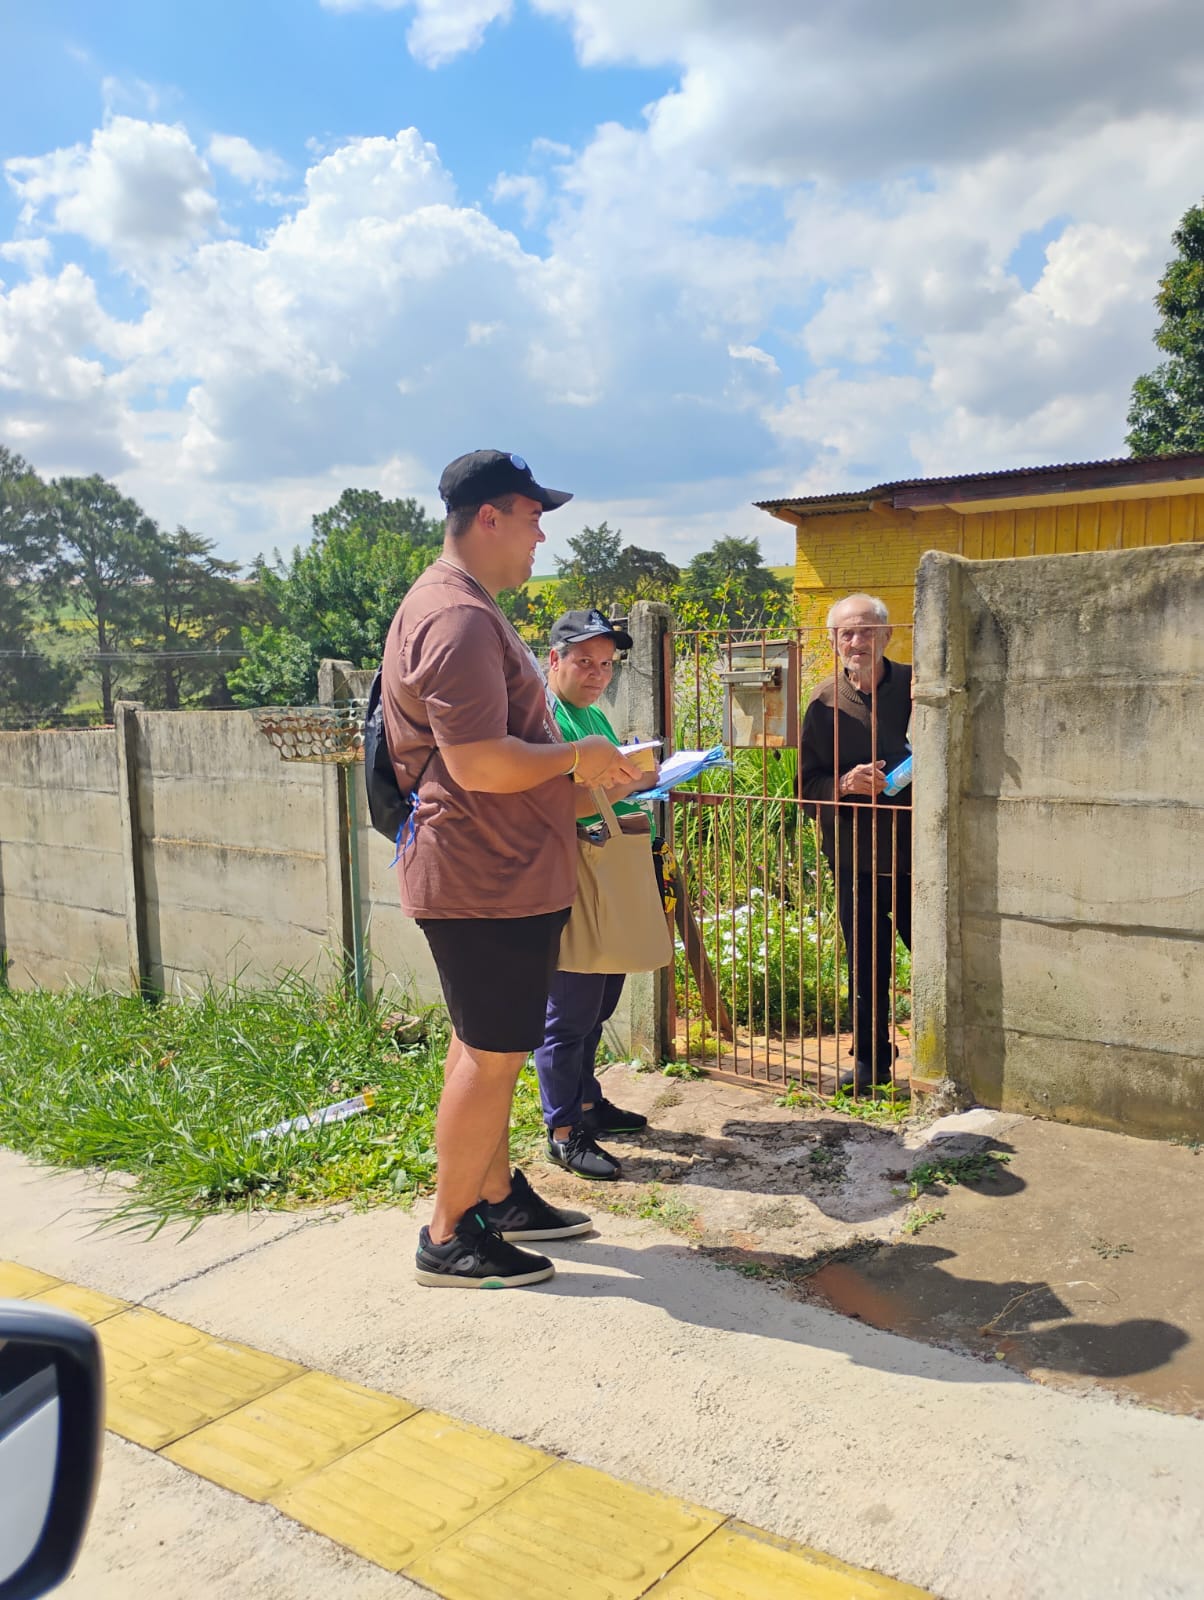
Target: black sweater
[{"x": 819, "y": 772}]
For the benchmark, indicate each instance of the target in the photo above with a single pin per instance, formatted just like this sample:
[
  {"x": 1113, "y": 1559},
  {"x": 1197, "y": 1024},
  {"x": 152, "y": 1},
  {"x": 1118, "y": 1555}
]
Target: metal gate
[{"x": 761, "y": 990}]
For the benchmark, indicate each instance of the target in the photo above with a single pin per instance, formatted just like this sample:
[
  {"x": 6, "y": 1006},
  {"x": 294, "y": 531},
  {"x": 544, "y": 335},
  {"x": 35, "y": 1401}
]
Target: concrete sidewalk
[{"x": 646, "y": 1360}]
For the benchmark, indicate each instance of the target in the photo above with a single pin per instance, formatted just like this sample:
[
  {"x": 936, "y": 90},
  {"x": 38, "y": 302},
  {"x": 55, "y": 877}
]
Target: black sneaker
[
  {"x": 524, "y": 1215},
  {"x": 603, "y": 1117},
  {"x": 477, "y": 1257},
  {"x": 581, "y": 1153}
]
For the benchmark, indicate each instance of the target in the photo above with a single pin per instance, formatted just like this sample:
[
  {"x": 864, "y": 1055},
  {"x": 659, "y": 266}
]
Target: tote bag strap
[{"x": 607, "y": 812}]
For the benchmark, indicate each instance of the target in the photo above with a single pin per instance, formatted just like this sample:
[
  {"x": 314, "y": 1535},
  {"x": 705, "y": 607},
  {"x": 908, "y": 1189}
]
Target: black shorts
[{"x": 495, "y": 973}]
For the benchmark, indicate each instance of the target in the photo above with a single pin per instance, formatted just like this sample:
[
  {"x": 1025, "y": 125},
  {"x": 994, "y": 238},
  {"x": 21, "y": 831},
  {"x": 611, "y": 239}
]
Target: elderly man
[
  {"x": 854, "y": 732},
  {"x": 490, "y": 870}
]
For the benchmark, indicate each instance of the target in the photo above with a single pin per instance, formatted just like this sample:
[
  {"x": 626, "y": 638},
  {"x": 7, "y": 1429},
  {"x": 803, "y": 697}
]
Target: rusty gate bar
[{"x": 759, "y": 992}]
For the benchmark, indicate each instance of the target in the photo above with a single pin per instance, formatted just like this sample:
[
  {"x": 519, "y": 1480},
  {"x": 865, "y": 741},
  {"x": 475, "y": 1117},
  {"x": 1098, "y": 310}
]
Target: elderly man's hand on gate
[{"x": 868, "y": 778}]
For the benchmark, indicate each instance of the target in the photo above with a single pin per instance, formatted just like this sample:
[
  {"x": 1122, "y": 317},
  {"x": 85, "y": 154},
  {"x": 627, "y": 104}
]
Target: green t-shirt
[{"x": 578, "y": 722}]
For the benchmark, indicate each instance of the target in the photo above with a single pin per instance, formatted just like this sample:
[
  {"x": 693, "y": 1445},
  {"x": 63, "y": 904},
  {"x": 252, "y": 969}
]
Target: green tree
[
  {"x": 1166, "y": 413},
  {"x": 194, "y": 616},
  {"x": 34, "y": 686},
  {"x": 729, "y": 586},
  {"x": 591, "y": 574},
  {"x": 105, "y": 548},
  {"x": 336, "y": 597},
  {"x": 646, "y": 575}
]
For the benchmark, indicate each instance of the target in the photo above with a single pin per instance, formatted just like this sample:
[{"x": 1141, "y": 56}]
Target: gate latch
[{"x": 749, "y": 677}]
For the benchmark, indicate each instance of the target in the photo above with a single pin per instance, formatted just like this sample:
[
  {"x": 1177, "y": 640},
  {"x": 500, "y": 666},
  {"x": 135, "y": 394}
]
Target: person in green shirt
[{"x": 580, "y": 667}]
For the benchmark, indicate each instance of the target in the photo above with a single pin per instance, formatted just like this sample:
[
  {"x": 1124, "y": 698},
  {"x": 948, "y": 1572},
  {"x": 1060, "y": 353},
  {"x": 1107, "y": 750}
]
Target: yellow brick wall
[
  {"x": 879, "y": 551},
  {"x": 874, "y": 551}
]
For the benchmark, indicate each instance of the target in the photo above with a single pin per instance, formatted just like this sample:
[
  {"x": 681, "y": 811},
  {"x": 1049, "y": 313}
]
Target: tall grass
[{"x": 172, "y": 1093}]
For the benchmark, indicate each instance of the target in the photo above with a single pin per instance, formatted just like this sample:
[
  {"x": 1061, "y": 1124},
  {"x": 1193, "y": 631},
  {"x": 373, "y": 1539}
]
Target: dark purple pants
[{"x": 578, "y": 1004}]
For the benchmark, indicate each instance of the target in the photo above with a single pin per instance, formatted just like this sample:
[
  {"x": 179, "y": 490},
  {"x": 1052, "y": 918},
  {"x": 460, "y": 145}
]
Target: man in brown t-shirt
[{"x": 489, "y": 869}]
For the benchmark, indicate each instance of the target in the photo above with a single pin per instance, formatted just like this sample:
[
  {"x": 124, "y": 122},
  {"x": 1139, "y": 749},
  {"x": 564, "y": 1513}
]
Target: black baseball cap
[
  {"x": 486, "y": 475},
  {"x": 575, "y": 626}
]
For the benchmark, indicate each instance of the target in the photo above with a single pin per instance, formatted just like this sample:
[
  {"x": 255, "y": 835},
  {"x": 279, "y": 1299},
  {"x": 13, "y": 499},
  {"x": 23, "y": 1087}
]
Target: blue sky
[{"x": 681, "y": 257}]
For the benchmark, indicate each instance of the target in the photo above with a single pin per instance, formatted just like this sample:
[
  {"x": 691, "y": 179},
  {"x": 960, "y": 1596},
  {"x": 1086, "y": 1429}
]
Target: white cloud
[
  {"x": 768, "y": 283},
  {"x": 528, "y": 192},
  {"x": 32, "y": 255},
  {"x": 240, "y": 158},
  {"x": 441, "y": 29},
  {"x": 138, "y": 188},
  {"x": 57, "y": 390},
  {"x": 754, "y": 354}
]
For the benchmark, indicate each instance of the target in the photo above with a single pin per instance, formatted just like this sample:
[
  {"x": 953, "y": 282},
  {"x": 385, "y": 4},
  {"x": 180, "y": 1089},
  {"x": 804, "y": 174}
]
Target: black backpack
[{"x": 388, "y": 805}]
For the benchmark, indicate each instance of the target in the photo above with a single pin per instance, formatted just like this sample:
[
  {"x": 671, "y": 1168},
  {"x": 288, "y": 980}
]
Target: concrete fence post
[
  {"x": 938, "y": 739},
  {"x": 640, "y": 1026},
  {"x": 342, "y": 900},
  {"x": 125, "y": 733}
]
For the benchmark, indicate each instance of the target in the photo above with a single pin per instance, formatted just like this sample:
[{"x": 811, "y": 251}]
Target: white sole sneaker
[{"x": 457, "y": 1280}]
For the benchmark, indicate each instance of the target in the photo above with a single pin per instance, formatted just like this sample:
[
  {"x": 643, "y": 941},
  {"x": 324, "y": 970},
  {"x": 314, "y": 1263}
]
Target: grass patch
[
  {"x": 884, "y": 1106},
  {"x": 172, "y": 1093},
  {"x": 981, "y": 1167},
  {"x": 654, "y": 1205},
  {"x": 921, "y": 1219}
]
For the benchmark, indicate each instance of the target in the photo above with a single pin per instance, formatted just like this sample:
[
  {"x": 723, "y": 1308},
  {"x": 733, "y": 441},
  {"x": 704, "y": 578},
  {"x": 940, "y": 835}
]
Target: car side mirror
[{"x": 51, "y": 1430}]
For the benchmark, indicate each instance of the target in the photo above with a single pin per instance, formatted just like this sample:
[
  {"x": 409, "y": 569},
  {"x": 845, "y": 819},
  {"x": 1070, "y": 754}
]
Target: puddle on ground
[{"x": 1057, "y": 1334}]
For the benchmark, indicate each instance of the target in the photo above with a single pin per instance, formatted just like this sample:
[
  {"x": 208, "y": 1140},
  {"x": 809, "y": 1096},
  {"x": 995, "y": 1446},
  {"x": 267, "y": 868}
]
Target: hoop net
[{"x": 315, "y": 733}]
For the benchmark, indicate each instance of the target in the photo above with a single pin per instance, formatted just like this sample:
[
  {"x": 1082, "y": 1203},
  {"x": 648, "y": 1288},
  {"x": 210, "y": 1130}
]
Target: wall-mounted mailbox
[{"x": 760, "y": 694}]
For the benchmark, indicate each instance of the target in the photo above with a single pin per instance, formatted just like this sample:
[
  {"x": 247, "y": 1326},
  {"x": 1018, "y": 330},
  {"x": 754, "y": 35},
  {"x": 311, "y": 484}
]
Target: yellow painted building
[{"x": 872, "y": 539}]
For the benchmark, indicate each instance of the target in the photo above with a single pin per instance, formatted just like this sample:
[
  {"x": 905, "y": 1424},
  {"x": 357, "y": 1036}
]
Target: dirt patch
[
  {"x": 729, "y": 1169},
  {"x": 1064, "y": 1252},
  {"x": 1080, "y": 1263}
]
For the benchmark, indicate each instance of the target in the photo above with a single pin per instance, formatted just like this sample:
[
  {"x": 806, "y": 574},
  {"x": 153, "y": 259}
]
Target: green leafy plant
[
  {"x": 883, "y": 1107},
  {"x": 921, "y": 1219},
  {"x": 172, "y": 1093},
  {"x": 981, "y": 1166}
]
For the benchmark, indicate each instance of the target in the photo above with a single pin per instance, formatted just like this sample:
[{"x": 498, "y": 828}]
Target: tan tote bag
[{"x": 617, "y": 923}]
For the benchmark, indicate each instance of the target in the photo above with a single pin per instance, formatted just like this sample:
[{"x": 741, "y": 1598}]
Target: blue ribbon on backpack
[{"x": 406, "y": 833}]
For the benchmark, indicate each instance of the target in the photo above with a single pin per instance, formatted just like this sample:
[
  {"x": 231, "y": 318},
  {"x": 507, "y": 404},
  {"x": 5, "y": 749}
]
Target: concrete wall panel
[
  {"x": 240, "y": 884},
  {"x": 208, "y": 945},
  {"x": 1118, "y": 1087},
  {"x": 1085, "y": 983},
  {"x": 221, "y": 810},
  {"x": 1059, "y": 857},
  {"x": 52, "y": 946},
  {"x": 401, "y": 958},
  {"x": 81, "y": 878},
  {"x": 60, "y": 819},
  {"x": 1131, "y": 741},
  {"x": 1117, "y": 865}
]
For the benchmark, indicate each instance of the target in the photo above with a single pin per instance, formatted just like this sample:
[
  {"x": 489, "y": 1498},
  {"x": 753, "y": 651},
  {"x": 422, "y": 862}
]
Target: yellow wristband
[{"x": 576, "y": 759}]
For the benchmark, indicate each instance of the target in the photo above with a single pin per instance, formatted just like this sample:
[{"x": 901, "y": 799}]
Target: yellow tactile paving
[
  {"x": 396, "y": 1498},
  {"x": 166, "y": 1379},
  {"x": 89, "y": 1304},
  {"x": 266, "y": 1447},
  {"x": 742, "y": 1563},
  {"x": 22, "y": 1283},
  {"x": 468, "y": 1513},
  {"x": 572, "y": 1532}
]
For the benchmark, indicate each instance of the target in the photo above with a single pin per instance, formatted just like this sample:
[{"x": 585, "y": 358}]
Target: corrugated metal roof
[{"x": 880, "y": 491}]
